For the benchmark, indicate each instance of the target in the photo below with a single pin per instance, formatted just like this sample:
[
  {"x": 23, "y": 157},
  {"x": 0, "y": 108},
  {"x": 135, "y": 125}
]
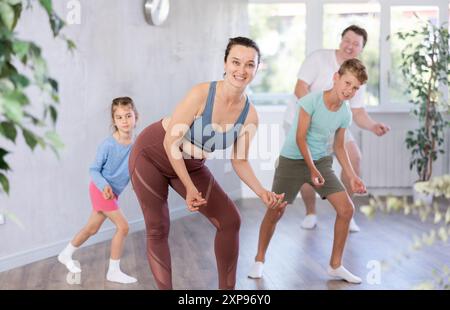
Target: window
[
  {"x": 279, "y": 30},
  {"x": 405, "y": 18},
  {"x": 337, "y": 17},
  {"x": 288, "y": 31}
]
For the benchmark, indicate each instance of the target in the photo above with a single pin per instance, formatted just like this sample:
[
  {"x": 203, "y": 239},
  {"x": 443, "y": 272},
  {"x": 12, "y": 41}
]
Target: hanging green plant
[{"x": 22, "y": 66}]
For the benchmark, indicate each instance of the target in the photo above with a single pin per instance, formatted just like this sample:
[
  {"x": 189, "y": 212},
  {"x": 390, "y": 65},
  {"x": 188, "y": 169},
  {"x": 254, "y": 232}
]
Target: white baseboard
[
  {"x": 33, "y": 255},
  {"x": 43, "y": 252}
]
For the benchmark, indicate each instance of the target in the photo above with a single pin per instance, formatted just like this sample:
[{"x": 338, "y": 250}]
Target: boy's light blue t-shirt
[
  {"x": 110, "y": 166},
  {"x": 323, "y": 126}
]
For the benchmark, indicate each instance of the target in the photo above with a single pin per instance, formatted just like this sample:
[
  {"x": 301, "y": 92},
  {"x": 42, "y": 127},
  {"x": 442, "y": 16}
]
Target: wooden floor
[{"x": 296, "y": 258}]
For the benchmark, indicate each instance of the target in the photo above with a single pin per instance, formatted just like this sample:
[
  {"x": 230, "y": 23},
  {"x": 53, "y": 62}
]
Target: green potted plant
[{"x": 425, "y": 65}]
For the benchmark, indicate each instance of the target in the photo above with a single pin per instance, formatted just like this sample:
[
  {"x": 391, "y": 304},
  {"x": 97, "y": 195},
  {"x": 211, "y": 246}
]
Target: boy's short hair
[{"x": 356, "y": 68}]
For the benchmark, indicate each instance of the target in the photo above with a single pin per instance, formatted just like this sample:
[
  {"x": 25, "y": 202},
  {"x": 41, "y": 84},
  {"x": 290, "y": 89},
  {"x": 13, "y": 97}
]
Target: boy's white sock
[
  {"x": 256, "y": 271},
  {"x": 65, "y": 258},
  {"x": 116, "y": 275},
  {"x": 342, "y": 273},
  {"x": 309, "y": 222},
  {"x": 353, "y": 227}
]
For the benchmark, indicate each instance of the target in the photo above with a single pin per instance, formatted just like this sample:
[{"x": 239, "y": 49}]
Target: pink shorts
[{"x": 99, "y": 203}]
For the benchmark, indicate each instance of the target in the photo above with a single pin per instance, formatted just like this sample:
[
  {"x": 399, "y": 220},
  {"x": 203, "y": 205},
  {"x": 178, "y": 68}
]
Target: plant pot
[{"x": 423, "y": 198}]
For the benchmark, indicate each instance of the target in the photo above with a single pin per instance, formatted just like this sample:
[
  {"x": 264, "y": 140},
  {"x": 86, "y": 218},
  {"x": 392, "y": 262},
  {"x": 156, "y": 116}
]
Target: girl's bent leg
[
  {"x": 93, "y": 225},
  {"x": 114, "y": 273}
]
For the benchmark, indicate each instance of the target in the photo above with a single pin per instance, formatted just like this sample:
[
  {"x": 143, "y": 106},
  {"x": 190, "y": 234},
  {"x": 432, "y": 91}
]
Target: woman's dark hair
[{"x": 244, "y": 42}]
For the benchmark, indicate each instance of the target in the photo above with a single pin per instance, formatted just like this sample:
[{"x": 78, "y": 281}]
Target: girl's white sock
[
  {"x": 116, "y": 275},
  {"x": 65, "y": 258}
]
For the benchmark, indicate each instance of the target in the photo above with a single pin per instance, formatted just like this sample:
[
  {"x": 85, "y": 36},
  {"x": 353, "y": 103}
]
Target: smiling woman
[{"x": 213, "y": 115}]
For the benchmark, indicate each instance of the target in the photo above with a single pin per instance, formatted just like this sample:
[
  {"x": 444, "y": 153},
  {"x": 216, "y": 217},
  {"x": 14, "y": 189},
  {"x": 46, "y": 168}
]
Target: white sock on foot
[
  {"x": 256, "y": 271},
  {"x": 353, "y": 227},
  {"x": 309, "y": 222},
  {"x": 342, "y": 273},
  {"x": 65, "y": 258},
  {"x": 69, "y": 250},
  {"x": 116, "y": 275}
]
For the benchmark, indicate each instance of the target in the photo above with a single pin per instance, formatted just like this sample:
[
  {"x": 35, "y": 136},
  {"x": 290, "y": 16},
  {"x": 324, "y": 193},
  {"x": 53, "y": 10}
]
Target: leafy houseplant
[
  {"x": 22, "y": 68},
  {"x": 425, "y": 64}
]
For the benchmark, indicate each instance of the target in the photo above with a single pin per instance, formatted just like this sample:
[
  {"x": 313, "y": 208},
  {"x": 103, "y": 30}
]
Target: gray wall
[{"x": 117, "y": 54}]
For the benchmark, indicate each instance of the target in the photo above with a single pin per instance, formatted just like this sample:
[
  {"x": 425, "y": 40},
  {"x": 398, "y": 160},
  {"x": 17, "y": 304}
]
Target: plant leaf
[
  {"x": 30, "y": 138},
  {"x": 7, "y": 15},
  {"x": 8, "y": 129},
  {"x": 55, "y": 140},
  {"x": 4, "y": 183},
  {"x": 3, "y": 164},
  {"x": 53, "y": 114},
  {"x": 13, "y": 218},
  {"x": 21, "y": 48},
  {"x": 47, "y": 5},
  {"x": 12, "y": 108}
]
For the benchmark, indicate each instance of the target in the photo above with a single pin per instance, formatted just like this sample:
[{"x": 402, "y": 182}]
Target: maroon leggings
[{"x": 151, "y": 174}]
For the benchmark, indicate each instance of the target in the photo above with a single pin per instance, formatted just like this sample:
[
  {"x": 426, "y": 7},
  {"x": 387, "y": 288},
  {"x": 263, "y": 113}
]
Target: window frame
[{"x": 314, "y": 40}]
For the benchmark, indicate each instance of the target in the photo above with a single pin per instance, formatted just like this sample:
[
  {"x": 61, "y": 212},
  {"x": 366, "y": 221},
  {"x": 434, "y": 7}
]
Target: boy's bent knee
[{"x": 346, "y": 212}]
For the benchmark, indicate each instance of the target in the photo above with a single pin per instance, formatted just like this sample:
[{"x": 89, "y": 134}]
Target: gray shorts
[{"x": 291, "y": 174}]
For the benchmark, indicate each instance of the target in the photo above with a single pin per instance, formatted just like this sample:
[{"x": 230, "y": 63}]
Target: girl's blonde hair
[{"x": 122, "y": 102}]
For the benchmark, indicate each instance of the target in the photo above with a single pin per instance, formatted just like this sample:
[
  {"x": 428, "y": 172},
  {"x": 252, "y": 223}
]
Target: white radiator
[{"x": 385, "y": 160}]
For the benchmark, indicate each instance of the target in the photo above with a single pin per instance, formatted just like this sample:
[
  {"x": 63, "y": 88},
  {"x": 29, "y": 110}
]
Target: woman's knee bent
[
  {"x": 230, "y": 222},
  {"x": 157, "y": 231},
  {"x": 235, "y": 223}
]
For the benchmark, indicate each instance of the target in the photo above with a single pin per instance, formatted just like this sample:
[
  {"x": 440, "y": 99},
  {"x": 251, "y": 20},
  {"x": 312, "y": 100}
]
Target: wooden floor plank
[{"x": 296, "y": 259}]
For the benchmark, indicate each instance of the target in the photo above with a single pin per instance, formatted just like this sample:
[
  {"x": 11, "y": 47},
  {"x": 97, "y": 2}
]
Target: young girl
[{"x": 110, "y": 176}]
